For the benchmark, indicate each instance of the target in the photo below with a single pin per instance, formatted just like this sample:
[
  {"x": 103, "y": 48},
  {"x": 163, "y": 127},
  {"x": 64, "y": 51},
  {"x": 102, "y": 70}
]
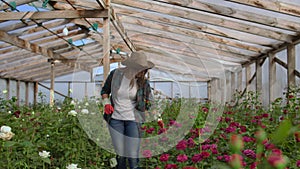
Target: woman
[{"x": 126, "y": 96}]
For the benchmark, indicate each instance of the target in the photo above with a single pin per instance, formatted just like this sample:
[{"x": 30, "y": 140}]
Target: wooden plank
[
  {"x": 23, "y": 62},
  {"x": 15, "y": 25},
  {"x": 42, "y": 34},
  {"x": 106, "y": 46},
  {"x": 228, "y": 84},
  {"x": 61, "y": 73},
  {"x": 187, "y": 47},
  {"x": 248, "y": 77},
  {"x": 291, "y": 65},
  {"x": 81, "y": 3},
  {"x": 22, "y": 66},
  {"x": 149, "y": 27},
  {"x": 7, "y": 89},
  {"x": 17, "y": 57},
  {"x": 226, "y": 9},
  {"x": 14, "y": 40},
  {"x": 26, "y": 32},
  {"x": 18, "y": 2},
  {"x": 240, "y": 80},
  {"x": 61, "y": 14},
  {"x": 113, "y": 18},
  {"x": 52, "y": 78},
  {"x": 8, "y": 50},
  {"x": 122, "y": 32},
  {"x": 272, "y": 77},
  {"x": 33, "y": 77},
  {"x": 274, "y": 5},
  {"x": 206, "y": 18},
  {"x": 233, "y": 84},
  {"x": 133, "y": 16},
  {"x": 258, "y": 68},
  {"x": 184, "y": 57},
  {"x": 26, "y": 93},
  {"x": 35, "y": 92},
  {"x": 18, "y": 92}
]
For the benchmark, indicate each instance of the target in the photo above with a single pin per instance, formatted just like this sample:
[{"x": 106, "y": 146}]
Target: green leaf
[
  {"x": 9, "y": 143},
  {"x": 26, "y": 144},
  {"x": 46, "y": 160},
  {"x": 282, "y": 132}
]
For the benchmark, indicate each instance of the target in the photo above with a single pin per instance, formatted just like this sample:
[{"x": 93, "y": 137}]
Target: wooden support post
[
  {"x": 52, "y": 84},
  {"x": 258, "y": 68},
  {"x": 85, "y": 90},
  {"x": 7, "y": 89},
  {"x": 272, "y": 77},
  {"x": 233, "y": 85},
  {"x": 18, "y": 92},
  {"x": 26, "y": 93},
  {"x": 106, "y": 44},
  {"x": 248, "y": 77},
  {"x": 240, "y": 80},
  {"x": 35, "y": 92},
  {"x": 190, "y": 90},
  {"x": 208, "y": 84},
  {"x": 216, "y": 94},
  {"x": 228, "y": 86},
  {"x": 69, "y": 87},
  {"x": 172, "y": 90},
  {"x": 291, "y": 60}
]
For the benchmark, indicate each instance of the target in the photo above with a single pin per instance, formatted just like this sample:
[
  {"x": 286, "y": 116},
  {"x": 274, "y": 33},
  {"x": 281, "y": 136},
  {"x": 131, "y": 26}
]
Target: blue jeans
[{"x": 126, "y": 142}]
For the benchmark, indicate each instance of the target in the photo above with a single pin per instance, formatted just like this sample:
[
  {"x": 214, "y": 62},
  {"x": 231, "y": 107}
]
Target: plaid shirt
[{"x": 143, "y": 95}]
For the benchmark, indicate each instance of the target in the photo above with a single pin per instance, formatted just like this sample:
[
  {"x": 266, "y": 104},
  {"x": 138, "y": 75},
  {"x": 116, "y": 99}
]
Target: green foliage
[{"x": 44, "y": 128}]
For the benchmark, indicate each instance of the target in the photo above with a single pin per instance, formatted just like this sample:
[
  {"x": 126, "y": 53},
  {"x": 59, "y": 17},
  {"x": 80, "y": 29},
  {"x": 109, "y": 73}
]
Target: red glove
[
  {"x": 161, "y": 124},
  {"x": 108, "y": 109}
]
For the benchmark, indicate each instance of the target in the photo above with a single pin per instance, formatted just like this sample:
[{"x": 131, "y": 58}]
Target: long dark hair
[{"x": 139, "y": 80}]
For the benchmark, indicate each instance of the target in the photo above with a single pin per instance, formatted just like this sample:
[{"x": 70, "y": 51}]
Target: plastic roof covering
[{"x": 186, "y": 39}]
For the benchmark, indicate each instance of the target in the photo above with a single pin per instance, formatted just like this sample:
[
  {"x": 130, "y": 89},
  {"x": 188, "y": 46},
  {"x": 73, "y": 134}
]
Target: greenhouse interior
[{"x": 224, "y": 88}]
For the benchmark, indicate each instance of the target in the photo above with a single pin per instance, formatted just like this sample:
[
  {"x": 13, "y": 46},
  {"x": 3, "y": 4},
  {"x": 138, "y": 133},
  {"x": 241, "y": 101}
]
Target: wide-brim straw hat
[{"x": 138, "y": 60}]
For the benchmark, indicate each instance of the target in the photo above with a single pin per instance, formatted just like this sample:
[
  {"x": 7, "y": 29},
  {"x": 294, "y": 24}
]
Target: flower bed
[{"x": 247, "y": 136}]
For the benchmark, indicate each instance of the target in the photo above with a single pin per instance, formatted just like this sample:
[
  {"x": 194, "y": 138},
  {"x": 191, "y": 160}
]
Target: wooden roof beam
[
  {"x": 226, "y": 9},
  {"x": 277, "y": 6},
  {"x": 16, "y": 41},
  {"x": 113, "y": 18},
  {"x": 18, "y": 2},
  {"x": 59, "y": 14},
  {"x": 192, "y": 48},
  {"x": 206, "y": 18}
]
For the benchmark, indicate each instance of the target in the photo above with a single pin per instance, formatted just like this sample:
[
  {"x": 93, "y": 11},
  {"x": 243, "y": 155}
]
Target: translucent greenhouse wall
[{"x": 82, "y": 84}]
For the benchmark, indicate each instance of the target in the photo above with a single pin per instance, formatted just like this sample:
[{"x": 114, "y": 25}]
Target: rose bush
[{"x": 248, "y": 136}]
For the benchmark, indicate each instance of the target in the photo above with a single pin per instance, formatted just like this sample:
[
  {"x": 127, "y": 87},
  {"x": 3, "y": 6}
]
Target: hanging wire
[{"x": 92, "y": 25}]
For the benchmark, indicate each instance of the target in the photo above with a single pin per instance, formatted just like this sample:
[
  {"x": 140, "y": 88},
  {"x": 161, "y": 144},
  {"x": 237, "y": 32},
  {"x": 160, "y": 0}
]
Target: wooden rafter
[
  {"x": 274, "y": 5},
  {"x": 65, "y": 14},
  {"x": 246, "y": 14},
  {"x": 206, "y": 18}
]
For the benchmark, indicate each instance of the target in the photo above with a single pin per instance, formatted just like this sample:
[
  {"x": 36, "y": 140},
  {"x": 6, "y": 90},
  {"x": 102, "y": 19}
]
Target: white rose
[
  {"x": 5, "y": 129},
  {"x": 72, "y": 166},
  {"x": 113, "y": 162},
  {"x": 72, "y": 113},
  {"x": 73, "y": 102},
  {"x": 6, "y": 136},
  {"x": 44, "y": 154},
  {"x": 85, "y": 111}
]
